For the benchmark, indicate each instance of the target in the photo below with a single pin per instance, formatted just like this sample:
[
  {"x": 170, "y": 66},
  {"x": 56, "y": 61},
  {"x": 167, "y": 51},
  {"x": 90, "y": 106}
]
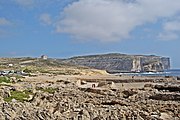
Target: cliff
[{"x": 122, "y": 63}]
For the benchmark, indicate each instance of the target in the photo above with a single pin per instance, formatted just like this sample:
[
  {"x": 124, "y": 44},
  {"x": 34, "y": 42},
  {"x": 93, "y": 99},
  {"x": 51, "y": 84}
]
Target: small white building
[
  {"x": 10, "y": 65},
  {"x": 44, "y": 57}
]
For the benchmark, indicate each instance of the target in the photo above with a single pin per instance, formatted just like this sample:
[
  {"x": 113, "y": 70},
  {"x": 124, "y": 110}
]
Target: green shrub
[
  {"x": 5, "y": 80},
  {"x": 49, "y": 90},
  {"x": 19, "y": 96},
  {"x": 27, "y": 70}
]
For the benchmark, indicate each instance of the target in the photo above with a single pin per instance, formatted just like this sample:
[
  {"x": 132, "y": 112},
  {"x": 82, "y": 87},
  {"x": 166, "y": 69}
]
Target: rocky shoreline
[{"x": 64, "y": 98}]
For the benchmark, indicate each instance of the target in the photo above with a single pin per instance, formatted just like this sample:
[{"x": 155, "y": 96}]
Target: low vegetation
[
  {"x": 31, "y": 66},
  {"x": 19, "y": 96},
  {"x": 48, "y": 90},
  {"x": 5, "y": 80}
]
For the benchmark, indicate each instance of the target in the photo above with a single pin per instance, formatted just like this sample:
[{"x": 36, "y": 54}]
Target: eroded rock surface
[{"x": 65, "y": 100}]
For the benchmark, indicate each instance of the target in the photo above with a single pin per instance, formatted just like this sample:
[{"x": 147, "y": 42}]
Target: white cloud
[
  {"x": 172, "y": 26},
  {"x": 167, "y": 36},
  {"x": 112, "y": 20},
  {"x": 4, "y": 22},
  {"x": 171, "y": 30},
  {"x": 45, "y": 19}
]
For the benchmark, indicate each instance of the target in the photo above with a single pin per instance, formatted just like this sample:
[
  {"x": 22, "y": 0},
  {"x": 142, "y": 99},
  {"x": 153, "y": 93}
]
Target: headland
[{"x": 53, "y": 89}]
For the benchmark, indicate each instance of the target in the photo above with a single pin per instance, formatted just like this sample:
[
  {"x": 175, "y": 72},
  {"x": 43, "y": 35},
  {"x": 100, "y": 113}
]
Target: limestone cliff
[{"x": 122, "y": 63}]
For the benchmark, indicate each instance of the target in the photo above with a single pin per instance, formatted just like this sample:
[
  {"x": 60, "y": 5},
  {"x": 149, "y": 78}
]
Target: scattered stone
[
  {"x": 61, "y": 101},
  {"x": 169, "y": 87},
  {"x": 14, "y": 100},
  {"x": 122, "y": 103},
  {"x": 166, "y": 96},
  {"x": 128, "y": 93},
  {"x": 149, "y": 85}
]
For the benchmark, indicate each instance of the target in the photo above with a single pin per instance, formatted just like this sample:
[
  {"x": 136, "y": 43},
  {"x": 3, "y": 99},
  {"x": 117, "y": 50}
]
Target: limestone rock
[
  {"x": 166, "y": 96},
  {"x": 121, "y": 62}
]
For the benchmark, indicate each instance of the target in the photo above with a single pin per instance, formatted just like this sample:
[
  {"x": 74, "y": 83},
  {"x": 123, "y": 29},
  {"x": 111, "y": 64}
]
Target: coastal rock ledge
[{"x": 116, "y": 62}]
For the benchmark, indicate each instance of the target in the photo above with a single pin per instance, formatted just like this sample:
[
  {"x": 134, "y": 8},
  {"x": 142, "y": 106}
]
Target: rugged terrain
[
  {"x": 54, "y": 91},
  {"x": 62, "y": 97}
]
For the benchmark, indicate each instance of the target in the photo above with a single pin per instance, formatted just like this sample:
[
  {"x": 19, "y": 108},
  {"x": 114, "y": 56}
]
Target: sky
[{"x": 66, "y": 28}]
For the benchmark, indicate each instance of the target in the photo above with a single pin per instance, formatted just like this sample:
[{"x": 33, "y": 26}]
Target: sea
[{"x": 171, "y": 72}]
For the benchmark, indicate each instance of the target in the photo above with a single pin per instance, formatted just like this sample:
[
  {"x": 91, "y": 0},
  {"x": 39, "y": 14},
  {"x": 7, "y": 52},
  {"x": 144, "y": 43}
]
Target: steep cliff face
[
  {"x": 122, "y": 62},
  {"x": 155, "y": 63},
  {"x": 150, "y": 63}
]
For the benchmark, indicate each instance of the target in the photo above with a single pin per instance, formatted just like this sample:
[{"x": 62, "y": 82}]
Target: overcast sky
[{"x": 64, "y": 28}]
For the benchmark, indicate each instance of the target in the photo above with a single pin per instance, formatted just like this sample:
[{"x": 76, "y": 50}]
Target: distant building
[
  {"x": 10, "y": 65},
  {"x": 44, "y": 57}
]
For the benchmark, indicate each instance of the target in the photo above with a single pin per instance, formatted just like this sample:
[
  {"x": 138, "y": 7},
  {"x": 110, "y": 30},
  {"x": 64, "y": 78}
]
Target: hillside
[
  {"x": 116, "y": 62},
  {"x": 111, "y": 63},
  {"x": 49, "y": 66}
]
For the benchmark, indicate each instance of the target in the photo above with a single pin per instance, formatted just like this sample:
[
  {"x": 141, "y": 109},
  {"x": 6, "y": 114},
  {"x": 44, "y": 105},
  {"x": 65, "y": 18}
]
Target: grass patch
[
  {"x": 19, "y": 96},
  {"x": 49, "y": 90},
  {"x": 26, "y": 70},
  {"x": 17, "y": 76},
  {"x": 5, "y": 80},
  {"x": 65, "y": 72},
  {"x": 31, "y": 69}
]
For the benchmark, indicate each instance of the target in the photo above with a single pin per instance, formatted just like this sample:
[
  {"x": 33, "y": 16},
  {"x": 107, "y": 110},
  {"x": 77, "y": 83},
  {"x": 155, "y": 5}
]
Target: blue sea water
[{"x": 171, "y": 72}]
